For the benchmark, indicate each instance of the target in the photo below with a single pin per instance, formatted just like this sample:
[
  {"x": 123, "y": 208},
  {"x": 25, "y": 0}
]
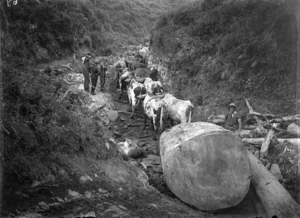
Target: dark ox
[{"x": 142, "y": 73}]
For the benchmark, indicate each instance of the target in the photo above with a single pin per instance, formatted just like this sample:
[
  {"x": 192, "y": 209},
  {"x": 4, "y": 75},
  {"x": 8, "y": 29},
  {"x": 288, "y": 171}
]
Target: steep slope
[
  {"x": 224, "y": 50},
  {"x": 41, "y": 30}
]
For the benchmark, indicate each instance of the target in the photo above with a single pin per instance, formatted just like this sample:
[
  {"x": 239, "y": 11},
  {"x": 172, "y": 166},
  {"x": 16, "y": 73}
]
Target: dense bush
[
  {"x": 42, "y": 30},
  {"x": 248, "y": 45}
]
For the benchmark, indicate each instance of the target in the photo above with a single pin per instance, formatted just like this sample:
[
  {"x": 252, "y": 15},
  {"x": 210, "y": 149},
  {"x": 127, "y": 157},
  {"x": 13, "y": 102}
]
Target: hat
[{"x": 232, "y": 105}]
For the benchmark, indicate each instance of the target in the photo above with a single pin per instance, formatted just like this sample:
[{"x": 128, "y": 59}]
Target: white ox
[
  {"x": 153, "y": 87},
  {"x": 134, "y": 90},
  {"x": 179, "y": 110},
  {"x": 156, "y": 110}
]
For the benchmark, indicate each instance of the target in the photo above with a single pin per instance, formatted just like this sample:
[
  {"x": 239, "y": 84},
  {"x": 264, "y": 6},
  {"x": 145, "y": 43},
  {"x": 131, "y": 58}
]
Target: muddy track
[{"x": 132, "y": 128}]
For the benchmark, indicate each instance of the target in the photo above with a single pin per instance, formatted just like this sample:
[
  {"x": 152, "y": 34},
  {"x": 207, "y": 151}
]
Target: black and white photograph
[{"x": 149, "y": 108}]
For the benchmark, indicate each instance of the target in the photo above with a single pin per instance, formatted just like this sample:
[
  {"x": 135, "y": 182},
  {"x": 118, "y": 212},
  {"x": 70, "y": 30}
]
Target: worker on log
[{"x": 232, "y": 119}]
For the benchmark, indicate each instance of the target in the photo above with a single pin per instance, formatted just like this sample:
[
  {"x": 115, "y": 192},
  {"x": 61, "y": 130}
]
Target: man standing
[
  {"x": 232, "y": 119},
  {"x": 95, "y": 71},
  {"x": 103, "y": 70},
  {"x": 86, "y": 72}
]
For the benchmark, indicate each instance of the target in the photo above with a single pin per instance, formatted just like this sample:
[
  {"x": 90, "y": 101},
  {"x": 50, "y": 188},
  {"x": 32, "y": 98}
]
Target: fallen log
[
  {"x": 293, "y": 141},
  {"x": 274, "y": 197},
  {"x": 199, "y": 162},
  {"x": 267, "y": 140},
  {"x": 254, "y": 113},
  {"x": 258, "y": 121},
  {"x": 67, "y": 66},
  {"x": 286, "y": 119}
]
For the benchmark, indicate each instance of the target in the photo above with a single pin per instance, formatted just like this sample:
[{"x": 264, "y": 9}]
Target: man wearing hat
[
  {"x": 102, "y": 75},
  {"x": 232, "y": 119},
  {"x": 86, "y": 72},
  {"x": 95, "y": 72}
]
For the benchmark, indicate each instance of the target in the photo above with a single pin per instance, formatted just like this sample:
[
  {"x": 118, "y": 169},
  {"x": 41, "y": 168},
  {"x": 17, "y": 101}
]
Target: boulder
[
  {"x": 205, "y": 165},
  {"x": 112, "y": 115}
]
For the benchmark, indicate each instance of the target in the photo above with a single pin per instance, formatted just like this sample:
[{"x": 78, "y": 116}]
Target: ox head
[{"x": 156, "y": 88}]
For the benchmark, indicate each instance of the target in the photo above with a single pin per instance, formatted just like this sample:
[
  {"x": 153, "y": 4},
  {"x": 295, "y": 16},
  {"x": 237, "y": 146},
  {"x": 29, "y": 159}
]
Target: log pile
[{"x": 274, "y": 161}]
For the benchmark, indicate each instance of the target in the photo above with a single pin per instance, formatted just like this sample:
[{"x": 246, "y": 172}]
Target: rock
[
  {"x": 44, "y": 206},
  {"x": 74, "y": 194},
  {"x": 87, "y": 194},
  {"x": 60, "y": 200},
  {"x": 90, "y": 215},
  {"x": 141, "y": 144},
  {"x": 102, "y": 191},
  {"x": 130, "y": 150},
  {"x": 134, "y": 163},
  {"x": 85, "y": 178},
  {"x": 151, "y": 160},
  {"x": 136, "y": 152},
  {"x": 116, "y": 133},
  {"x": 107, "y": 146},
  {"x": 245, "y": 133},
  {"x": 122, "y": 119},
  {"x": 275, "y": 170},
  {"x": 254, "y": 64},
  {"x": 35, "y": 183},
  {"x": 112, "y": 115},
  {"x": 30, "y": 215}
]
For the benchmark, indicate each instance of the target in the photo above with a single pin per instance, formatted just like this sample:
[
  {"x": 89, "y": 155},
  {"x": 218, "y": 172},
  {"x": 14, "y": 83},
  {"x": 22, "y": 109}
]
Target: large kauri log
[
  {"x": 205, "y": 165},
  {"x": 274, "y": 197}
]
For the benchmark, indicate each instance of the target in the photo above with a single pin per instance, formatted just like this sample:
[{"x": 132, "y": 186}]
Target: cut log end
[{"x": 203, "y": 171}]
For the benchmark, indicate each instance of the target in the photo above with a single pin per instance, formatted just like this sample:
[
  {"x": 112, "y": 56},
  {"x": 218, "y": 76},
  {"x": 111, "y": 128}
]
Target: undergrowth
[
  {"x": 37, "y": 125},
  {"x": 231, "y": 49}
]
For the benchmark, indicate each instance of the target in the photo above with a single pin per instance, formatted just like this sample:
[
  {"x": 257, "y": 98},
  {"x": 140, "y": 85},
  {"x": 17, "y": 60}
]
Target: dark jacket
[{"x": 231, "y": 121}]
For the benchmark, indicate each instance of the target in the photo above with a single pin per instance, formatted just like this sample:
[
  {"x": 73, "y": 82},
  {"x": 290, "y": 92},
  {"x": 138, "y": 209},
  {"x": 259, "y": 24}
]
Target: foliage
[
  {"x": 246, "y": 46},
  {"x": 43, "y": 30},
  {"x": 37, "y": 125}
]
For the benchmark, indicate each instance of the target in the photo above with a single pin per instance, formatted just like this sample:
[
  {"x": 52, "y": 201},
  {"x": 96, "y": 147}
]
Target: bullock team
[{"x": 142, "y": 87}]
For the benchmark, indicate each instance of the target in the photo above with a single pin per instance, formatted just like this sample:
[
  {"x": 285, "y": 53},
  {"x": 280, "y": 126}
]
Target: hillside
[
  {"x": 43, "y": 30},
  {"x": 226, "y": 50}
]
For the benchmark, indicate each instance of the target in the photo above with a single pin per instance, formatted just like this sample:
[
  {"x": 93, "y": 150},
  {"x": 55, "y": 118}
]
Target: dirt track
[{"x": 114, "y": 187}]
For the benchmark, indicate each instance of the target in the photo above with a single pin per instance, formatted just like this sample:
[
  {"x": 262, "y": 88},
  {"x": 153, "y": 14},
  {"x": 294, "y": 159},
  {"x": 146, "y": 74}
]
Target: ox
[
  {"x": 156, "y": 110},
  {"x": 124, "y": 81},
  {"x": 135, "y": 89},
  {"x": 119, "y": 66},
  {"x": 142, "y": 73},
  {"x": 153, "y": 87},
  {"x": 179, "y": 110},
  {"x": 144, "y": 54}
]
